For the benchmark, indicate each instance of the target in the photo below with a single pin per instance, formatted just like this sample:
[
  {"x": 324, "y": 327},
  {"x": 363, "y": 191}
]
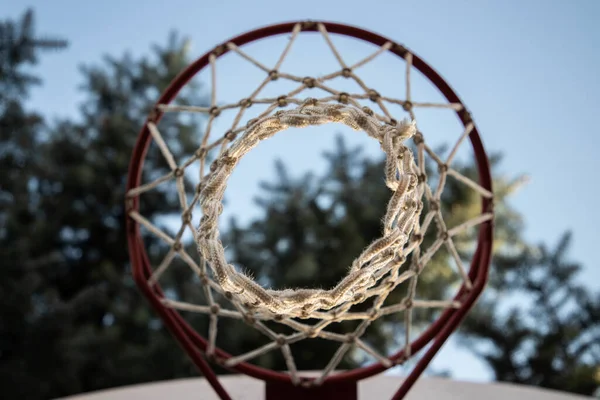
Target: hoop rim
[{"x": 195, "y": 344}]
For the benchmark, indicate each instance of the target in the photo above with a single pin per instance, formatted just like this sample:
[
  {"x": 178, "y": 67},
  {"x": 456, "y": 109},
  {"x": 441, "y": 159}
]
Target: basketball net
[{"x": 396, "y": 257}]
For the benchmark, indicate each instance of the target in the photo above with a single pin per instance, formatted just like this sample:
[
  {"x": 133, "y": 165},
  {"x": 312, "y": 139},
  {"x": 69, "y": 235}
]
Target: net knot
[
  {"x": 309, "y": 82},
  {"x": 373, "y": 95},
  {"x": 282, "y": 101},
  {"x": 245, "y": 103},
  {"x": 343, "y": 98},
  {"x": 214, "y": 111}
]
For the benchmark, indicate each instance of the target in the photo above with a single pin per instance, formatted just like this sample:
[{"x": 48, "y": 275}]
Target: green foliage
[
  {"x": 67, "y": 298},
  {"x": 28, "y": 340},
  {"x": 19, "y": 48},
  {"x": 552, "y": 337}
]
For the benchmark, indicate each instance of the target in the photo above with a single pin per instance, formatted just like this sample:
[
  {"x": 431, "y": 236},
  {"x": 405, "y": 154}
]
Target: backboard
[{"x": 242, "y": 387}]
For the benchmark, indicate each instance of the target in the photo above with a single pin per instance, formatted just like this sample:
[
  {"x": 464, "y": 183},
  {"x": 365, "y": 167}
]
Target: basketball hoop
[{"x": 391, "y": 263}]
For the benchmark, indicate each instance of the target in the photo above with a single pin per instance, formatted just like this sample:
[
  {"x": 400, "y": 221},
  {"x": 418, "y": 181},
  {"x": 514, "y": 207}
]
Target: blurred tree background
[{"x": 72, "y": 320}]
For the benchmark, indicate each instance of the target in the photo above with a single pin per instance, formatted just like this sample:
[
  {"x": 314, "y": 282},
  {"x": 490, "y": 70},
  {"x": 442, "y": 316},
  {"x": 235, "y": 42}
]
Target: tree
[
  {"x": 22, "y": 328},
  {"x": 89, "y": 161},
  {"x": 68, "y": 299},
  {"x": 19, "y": 48},
  {"x": 552, "y": 337}
]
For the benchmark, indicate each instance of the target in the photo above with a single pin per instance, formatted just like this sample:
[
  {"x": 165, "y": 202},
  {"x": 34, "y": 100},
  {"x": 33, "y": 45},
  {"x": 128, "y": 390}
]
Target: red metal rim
[{"x": 192, "y": 342}]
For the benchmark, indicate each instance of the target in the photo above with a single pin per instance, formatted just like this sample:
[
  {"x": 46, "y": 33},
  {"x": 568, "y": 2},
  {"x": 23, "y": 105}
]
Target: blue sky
[{"x": 528, "y": 71}]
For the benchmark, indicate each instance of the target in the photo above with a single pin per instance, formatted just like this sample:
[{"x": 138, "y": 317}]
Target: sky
[{"x": 527, "y": 70}]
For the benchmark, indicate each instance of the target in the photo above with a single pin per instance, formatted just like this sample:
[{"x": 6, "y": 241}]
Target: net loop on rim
[{"x": 376, "y": 260}]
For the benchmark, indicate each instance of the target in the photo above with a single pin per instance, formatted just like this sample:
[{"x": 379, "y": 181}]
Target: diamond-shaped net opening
[{"x": 419, "y": 227}]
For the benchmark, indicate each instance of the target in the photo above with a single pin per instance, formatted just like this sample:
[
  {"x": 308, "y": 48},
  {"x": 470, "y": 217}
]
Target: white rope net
[{"x": 378, "y": 271}]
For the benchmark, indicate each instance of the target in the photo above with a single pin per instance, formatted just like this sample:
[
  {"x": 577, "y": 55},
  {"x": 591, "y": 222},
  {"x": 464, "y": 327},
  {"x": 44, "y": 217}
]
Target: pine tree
[
  {"x": 121, "y": 340},
  {"x": 551, "y": 338},
  {"x": 19, "y": 48},
  {"x": 26, "y": 336},
  {"x": 67, "y": 297}
]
